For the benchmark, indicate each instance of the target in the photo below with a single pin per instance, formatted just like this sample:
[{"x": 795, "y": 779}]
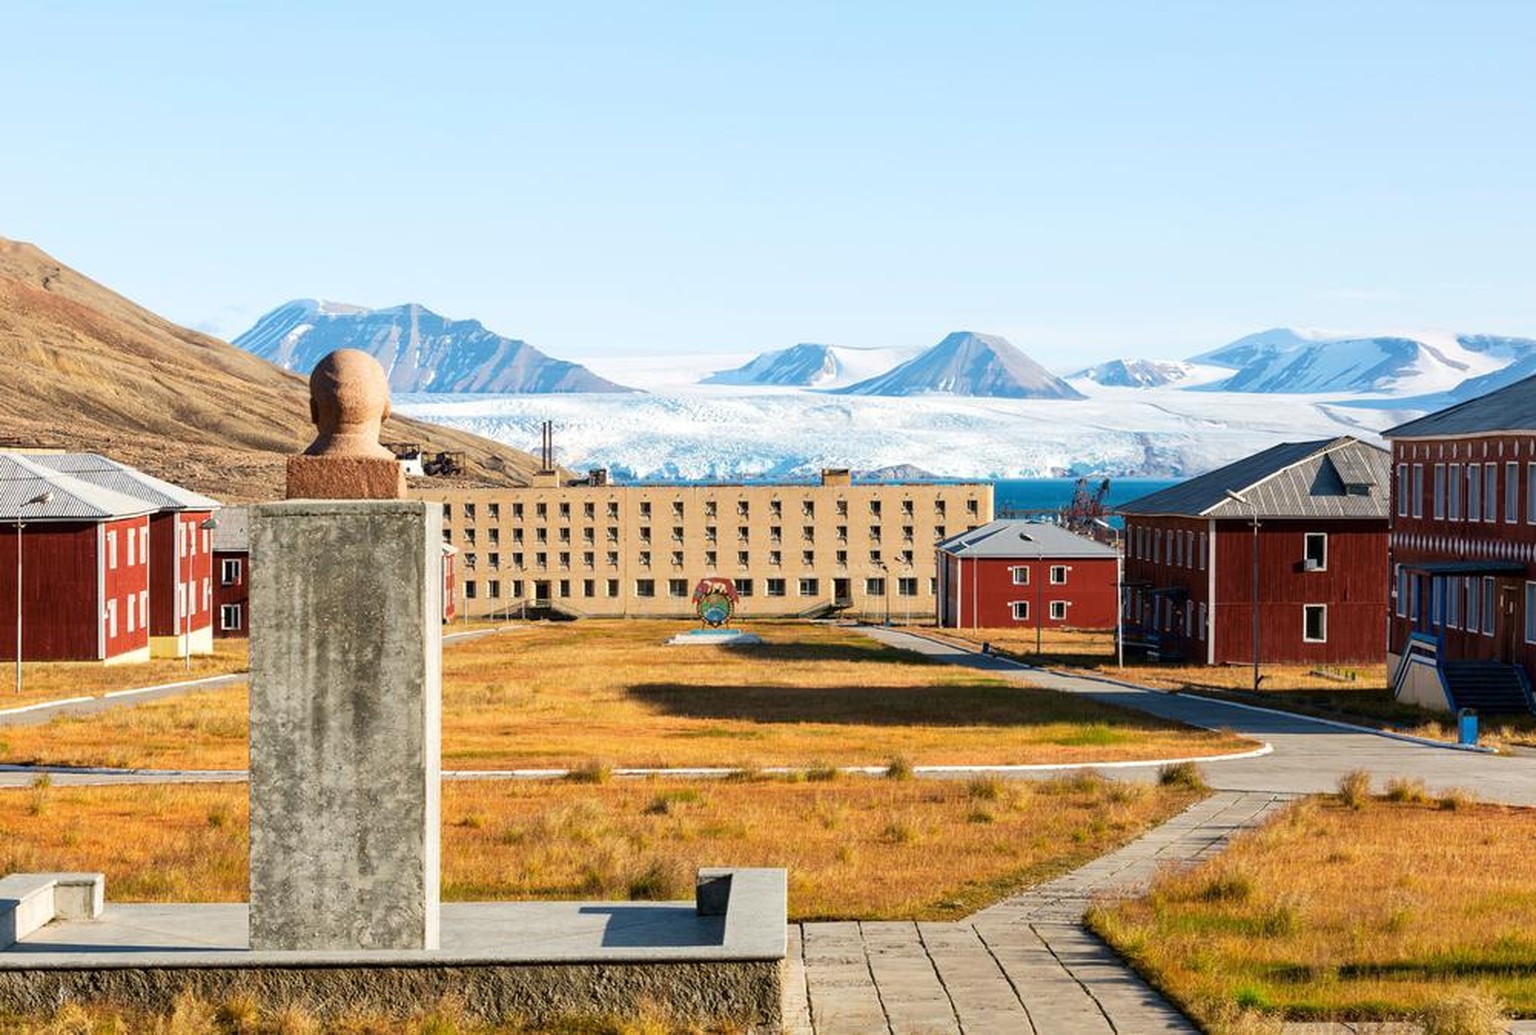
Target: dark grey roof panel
[
  {"x": 1511, "y": 408},
  {"x": 1293, "y": 479},
  {"x": 1023, "y": 539}
]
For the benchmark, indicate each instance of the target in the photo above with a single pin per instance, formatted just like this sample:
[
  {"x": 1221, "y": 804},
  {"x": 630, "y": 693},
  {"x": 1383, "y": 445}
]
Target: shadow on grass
[
  {"x": 832, "y": 652},
  {"x": 953, "y": 705}
]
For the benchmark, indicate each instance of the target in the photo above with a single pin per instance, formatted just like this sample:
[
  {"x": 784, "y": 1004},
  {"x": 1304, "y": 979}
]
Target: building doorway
[
  {"x": 842, "y": 596},
  {"x": 1509, "y": 624}
]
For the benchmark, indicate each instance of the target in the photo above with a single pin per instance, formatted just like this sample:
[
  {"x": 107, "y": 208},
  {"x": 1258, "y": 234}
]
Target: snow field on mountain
[{"x": 730, "y": 432}]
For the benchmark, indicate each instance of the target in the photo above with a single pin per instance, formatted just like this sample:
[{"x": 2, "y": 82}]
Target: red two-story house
[
  {"x": 82, "y": 554},
  {"x": 1026, "y": 574},
  {"x": 1463, "y": 553},
  {"x": 1297, "y": 532}
]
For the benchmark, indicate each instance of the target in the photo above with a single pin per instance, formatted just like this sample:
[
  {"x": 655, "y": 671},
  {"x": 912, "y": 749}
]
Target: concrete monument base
[
  {"x": 345, "y": 478},
  {"x": 714, "y": 638},
  {"x": 720, "y": 957}
]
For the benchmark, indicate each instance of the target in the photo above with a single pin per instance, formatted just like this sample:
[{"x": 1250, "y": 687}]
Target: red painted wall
[
  {"x": 986, "y": 587},
  {"x": 123, "y": 582},
  {"x": 450, "y": 587},
  {"x": 59, "y": 592},
  {"x": 235, "y": 591},
  {"x": 175, "y": 537},
  {"x": 1353, "y": 587},
  {"x": 1419, "y": 536}
]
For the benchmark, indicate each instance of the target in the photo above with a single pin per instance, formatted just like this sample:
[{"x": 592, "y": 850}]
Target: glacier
[{"x": 698, "y": 432}]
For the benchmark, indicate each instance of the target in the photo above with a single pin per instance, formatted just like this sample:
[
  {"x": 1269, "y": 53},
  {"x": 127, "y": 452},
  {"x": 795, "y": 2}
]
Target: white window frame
[
  {"x": 1511, "y": 493},
  {"x": 1438, "y": 479},
  {"x": 1489, "y": 604},
  {"x": 225, "y": 610},
  {"x": 112, "y": 550},
  {"x": 1456, "y": 492},
  {"x": 1058, "y": 610},
  {"x": 1306, "y": 550},
  {"x": 1530, "y": 493},
  {"x": 1474, "y": 492},
  {"x": 1062, "y": 569},
  {"x": 1019, "y": 610},
  {"x": 1474, "y": 610},
  {"x": 1323, "y": 610},
  {"x": 1402, "y": 490},
  {"x": 1418, "y": 490},
  {"x": 1200, "y": 627},
  {"x": 1020, "y": 574},
  {"x": 129, "y": 600},
  {"x": 1204, "y": 545},
  {"x": 111, "y": 619},
  {"x": 1490, "y": 493},
  {"x": 1530, "y": 612},
  {"x": 226, "y": 566}
]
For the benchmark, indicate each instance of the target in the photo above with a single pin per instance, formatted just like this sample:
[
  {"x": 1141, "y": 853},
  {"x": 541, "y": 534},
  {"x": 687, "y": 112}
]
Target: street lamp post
[
  {"x": 1255, "y": 551},
  {"x": 42, "y": 499},
  {"x": 885, "y": 585},
  {"x": 186, "y": 605}
]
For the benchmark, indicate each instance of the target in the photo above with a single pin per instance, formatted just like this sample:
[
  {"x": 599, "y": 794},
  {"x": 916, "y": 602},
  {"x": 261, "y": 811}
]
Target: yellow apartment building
[{"x": 590, "y": 549}]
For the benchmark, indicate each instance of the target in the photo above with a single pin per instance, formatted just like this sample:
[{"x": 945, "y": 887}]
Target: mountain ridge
[
  {"x": 90, "y": 370},
  {"x": 420, "y": 350},
  {"x": 969, "y": 364}
]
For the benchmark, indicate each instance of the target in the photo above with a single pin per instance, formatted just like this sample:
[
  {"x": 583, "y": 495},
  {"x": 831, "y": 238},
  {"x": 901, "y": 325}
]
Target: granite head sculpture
[{"x": 348, "y": 403}]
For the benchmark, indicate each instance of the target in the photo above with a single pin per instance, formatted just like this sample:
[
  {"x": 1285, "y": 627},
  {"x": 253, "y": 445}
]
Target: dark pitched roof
[
  {"x": 1331, "y": 478},
  {"x": 1023, "y": 539},
  {"x": 1511, "y": 408}
]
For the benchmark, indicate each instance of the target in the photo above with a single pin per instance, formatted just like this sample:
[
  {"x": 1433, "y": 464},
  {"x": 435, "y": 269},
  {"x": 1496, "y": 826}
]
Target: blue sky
[{"x": 1089, "y": 179}]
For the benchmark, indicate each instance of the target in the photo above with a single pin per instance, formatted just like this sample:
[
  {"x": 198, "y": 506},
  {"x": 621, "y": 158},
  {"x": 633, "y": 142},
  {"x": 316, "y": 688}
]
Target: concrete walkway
[{"x": 1026, "y": 964}]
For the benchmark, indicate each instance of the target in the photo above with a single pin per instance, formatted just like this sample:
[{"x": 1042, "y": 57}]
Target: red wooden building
[
  {"x": 1320, "y": 550},
  {"x": 1025, "y": 574},
  {"x": 1463, "y": 554},
  {"x": 231, "y": 574},
  {"x": 180, "y": 553},
  {"x": 85, "y": 567}
]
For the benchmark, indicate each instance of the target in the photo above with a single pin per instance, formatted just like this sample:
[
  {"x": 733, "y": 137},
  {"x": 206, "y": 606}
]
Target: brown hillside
[{"x": 84, "y": 368}]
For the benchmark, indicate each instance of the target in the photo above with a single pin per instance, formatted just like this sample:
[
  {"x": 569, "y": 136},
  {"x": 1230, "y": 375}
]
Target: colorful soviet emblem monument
[{"x": 715, "y": 601}]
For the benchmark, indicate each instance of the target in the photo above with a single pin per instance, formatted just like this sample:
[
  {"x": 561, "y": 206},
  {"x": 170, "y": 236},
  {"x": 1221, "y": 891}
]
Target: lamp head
[{"x": 42, "y": 499}]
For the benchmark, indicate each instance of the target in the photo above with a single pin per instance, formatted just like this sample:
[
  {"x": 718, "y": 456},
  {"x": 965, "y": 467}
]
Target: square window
[
  {"x": 774, "y": 587},
  {"x": 1020, "y": 610},
  {"x": 1058, "y": 610},
  {"x": 645, "y": 587},
  {"x": 809, "y": 587},
  {"x": 1058, "y": 574},
  {"x": 1020, "y": 575},
  {"x": 874, "y": 587},
  {"x": 743, "y": 587},
  {"x": 677, "y": 587}
]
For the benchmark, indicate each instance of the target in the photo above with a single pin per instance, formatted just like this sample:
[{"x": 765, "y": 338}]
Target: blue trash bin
[{"x": 1466, "y": 727}]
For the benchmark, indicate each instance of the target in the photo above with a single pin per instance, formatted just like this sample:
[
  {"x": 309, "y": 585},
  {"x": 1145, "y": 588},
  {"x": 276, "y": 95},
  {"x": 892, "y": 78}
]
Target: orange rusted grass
[
  {"x": 1331, "y": 912},
  {"x": 563, "y": 695},
  {"x": 861, "y": 847}
]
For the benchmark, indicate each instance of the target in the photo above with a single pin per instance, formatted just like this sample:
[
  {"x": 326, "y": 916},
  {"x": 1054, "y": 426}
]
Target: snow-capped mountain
[
  {"x": 420, "y": 350},
  {"x": 966, "y": 363},
  {"x": 1135, "y": 373},
  {"x": 812, "y": 366},
  {"x": 1287, "y": 360}
]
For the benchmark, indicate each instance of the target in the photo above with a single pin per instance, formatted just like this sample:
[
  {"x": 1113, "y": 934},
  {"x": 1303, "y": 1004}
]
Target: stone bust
[{"x": 348, "y": 403}]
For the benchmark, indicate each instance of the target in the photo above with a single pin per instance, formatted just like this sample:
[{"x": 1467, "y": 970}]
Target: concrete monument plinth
[{"x": 346, "y": 706}]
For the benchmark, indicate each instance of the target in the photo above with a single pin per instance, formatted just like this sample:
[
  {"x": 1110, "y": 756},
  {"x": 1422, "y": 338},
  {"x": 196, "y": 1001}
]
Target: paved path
[
  {"x": 1309, "y": 754},
  {"x": 1026, "y": 965}
]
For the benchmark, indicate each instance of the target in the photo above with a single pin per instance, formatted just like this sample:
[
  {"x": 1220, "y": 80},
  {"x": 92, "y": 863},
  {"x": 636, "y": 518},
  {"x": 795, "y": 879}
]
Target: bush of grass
[
  {"x": 820, "y": 772},
  {"x": 1182, "y": 774},
  {"x": 1227, "y": 887},
  {"x": 658, "y": 880},
  {"x": 591, "y": 771},
  {"x": 899, "y": 768},
  {"x": 1465, "y": 1011},
  {"x": 1454, "y": 798},
  {"x": 984, "y": 788},
  {"x": 1355, "y": 788},
  {"x": 1407, "y": 790}
]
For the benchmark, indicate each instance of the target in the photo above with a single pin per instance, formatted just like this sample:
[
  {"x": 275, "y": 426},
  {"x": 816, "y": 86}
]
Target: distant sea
[{"x": 1024, "y": 495}]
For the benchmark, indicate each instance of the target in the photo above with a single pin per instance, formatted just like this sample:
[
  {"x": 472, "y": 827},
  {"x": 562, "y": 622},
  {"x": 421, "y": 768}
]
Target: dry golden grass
[
  {"x": 861, "y": 847},
  {"x": 240, "y": 1015},
  {"x": 1331, "y": 911},
  {"x": 565, "y": 694},
  {"x": 52, "y": 681}
]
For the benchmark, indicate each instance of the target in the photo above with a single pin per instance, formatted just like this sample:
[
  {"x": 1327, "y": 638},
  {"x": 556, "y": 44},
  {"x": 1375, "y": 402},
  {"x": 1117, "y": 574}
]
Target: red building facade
[
  {"x": 1463, "y": 554},
  {"x": 84, "y": 567},
  {"x": 231, "y": 574},
  {"x": 180, "y": 548},
  {"x": 1320, "y": 554},
  {"x": 1022, "y": 574}
]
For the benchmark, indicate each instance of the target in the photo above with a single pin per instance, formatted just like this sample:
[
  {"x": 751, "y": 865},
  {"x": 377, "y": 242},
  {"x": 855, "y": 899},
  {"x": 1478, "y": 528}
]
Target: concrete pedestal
[{"x": 346, "y": 717}]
